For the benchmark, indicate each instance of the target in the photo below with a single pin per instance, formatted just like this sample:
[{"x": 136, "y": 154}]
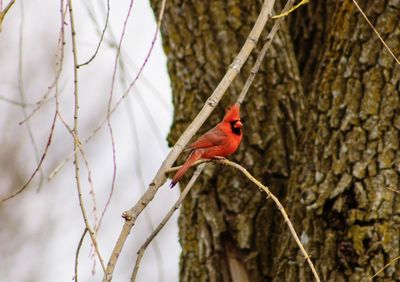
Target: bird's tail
[{"x": 194, "y": 156}]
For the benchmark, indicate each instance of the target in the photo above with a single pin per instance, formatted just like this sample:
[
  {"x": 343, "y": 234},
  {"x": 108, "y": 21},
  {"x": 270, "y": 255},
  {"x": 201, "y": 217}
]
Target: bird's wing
[{"x": 213, "y": 137}]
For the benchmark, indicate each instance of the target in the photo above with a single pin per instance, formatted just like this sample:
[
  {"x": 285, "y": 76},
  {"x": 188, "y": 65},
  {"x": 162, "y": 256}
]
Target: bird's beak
[{"x": 238, "y": 124}]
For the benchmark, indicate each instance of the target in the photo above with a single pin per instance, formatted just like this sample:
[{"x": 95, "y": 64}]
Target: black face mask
[{"x": 235, "y": 130}]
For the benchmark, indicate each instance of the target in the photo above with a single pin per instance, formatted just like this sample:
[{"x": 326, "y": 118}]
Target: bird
[{"x": 219, "y": 142}]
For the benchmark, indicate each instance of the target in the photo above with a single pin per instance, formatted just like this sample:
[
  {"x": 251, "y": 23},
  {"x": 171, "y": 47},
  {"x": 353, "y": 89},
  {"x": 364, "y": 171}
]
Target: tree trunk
[{"x": 321, "y": 129}]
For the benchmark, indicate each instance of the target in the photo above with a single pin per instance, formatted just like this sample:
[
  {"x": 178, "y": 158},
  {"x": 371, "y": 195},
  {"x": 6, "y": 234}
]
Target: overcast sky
[{"x": 40, "y": 230}]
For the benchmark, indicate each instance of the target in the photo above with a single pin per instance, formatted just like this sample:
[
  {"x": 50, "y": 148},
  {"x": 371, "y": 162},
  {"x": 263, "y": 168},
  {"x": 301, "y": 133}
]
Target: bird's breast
[{"x": 223, "y": 150}]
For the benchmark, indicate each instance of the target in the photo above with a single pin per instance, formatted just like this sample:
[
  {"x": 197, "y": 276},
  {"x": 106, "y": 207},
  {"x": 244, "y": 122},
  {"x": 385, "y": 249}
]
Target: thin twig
[
  {"x": 262, "y": 188},
  {"x": 139, "y": 171},
  {"x": 75, "y": 133},
  {"x": 54, "y": 119},
  {"x": 392, "y": 189},
  {"x": 59, "y": 66},
  {"x": 16, "y": 103},
  {"x": 383, "y": 268},
  {"x": 176, "y": 206},
  {"x": 38, "y": 165},
  {"x": 109, "y": 106},
  {"x": 114, "y": 175},
  {"x": 91, "y": 190},
  {"x": 60, "y": 59},
  {"x": 78, "y": 249},
  {"x": 153, "y": 41},
  {"x": 9, "y": 5},
  {"x": 60, "y": 166},
  {"x": 61, "y": 44},
  {"x": 234, "y": 69},
  {"x": 261, "y": 55},
  {"x": 280, "y": 207},
  {"x": 376, "y": 32},
  {"x": 285, "y": 13},
  {"x": 4, "y": 12},
  {"x": 40, "y": 103},
  {"x": 22, "y": 93},
  {"x": 113, "y": 42},
  {"x": 109, "y": 113},
  {"x": 101, "y": 38}
]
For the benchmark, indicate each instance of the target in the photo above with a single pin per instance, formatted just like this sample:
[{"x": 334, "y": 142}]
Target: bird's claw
[
  {"x": 221, "y": 160},
  {"x": 218, "y": 158}
]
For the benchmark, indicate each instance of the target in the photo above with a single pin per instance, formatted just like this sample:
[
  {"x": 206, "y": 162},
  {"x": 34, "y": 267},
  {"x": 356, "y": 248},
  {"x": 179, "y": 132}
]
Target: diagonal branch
[
  {"x": 265, "y": 189},
  {"x": 262, "y": 188},
  {"x": 286, "y": 13},
  {"x": 159, "y": 179},
  {"x": 4, "y": 12},
  {"x": 101, "y": 38},
  {"x": 261, "y": 55},
  {"x": 39, "y": 165},
  {"x": 176, "y": 206},
  {"x": 376, "y": 32},
  {"x": 383, "y": 268},
  {"x": 127, "y": 91},
  {"x": 78, "y": 249}
]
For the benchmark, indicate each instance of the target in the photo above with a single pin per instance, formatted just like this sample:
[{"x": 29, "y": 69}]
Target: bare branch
[
  {"x": 59, "y": 65},
  {"x": 110, "y": 130},
  {"x": 176, "y": 206},
  {"x": 136, "y": 141},
  {"x": 261, "y": 187},
  {"x": 110, "y": 112},
  {"x": 101, "y": 38},
  {"x": 39, "y": 165},
  {"x": 4, "y": 12},
  {"x": 75, "y": 134},
  {"x": 22, "y": 94},
  {"x": 285, "y": 13},
  {"x": 78, "y": 249},
  {"x": 376, "y": 32},
  {"x": 265, "y": 189},
  {"x": 261, "y": 55},
  {"x": 392, "y": 189},
  {"x": 234, "y": 69},
  {"x": 16, "y": 103},
  {"x": 383, "y": 268}
]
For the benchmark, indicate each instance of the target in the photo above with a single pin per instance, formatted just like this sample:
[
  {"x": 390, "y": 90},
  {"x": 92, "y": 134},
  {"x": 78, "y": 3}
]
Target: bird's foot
[{"x": 218, "y": 158}]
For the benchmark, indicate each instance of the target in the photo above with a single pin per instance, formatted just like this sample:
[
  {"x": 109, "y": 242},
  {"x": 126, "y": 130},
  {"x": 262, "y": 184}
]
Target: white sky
[{"x": 40, "y": 231}]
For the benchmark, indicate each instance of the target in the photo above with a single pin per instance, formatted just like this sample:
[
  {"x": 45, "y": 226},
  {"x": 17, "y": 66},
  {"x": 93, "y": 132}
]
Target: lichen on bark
[{"x": 322, "y": 124}]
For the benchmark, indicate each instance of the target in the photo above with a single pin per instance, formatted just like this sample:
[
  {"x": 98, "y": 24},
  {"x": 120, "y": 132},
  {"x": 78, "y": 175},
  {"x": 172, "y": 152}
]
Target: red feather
[{"x": 220, "y": 141}]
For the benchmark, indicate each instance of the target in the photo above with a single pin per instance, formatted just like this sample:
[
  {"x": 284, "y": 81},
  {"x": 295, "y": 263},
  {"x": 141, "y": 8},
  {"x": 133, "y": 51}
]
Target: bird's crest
[{"x": 232, "y": 113}]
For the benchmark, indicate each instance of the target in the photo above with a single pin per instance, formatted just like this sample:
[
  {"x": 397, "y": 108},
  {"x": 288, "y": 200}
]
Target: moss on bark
[{"x": 322, "y": 124}]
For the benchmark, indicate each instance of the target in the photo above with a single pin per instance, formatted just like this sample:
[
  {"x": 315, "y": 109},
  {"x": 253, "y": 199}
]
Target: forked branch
[
  {"x": 262, "y": 188},
  {"x": 159, "y": 179}
]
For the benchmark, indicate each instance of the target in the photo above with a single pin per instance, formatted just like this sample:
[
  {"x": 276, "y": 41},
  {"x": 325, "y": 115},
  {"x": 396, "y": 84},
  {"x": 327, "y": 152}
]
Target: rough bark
[
  {"x": 348, "y": 157},
  {"x": 328, "y": 153}
]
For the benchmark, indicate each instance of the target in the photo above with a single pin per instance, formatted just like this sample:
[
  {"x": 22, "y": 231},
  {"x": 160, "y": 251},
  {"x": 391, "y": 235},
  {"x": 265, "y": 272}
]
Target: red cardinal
[{"x": 220, "y": 141}]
